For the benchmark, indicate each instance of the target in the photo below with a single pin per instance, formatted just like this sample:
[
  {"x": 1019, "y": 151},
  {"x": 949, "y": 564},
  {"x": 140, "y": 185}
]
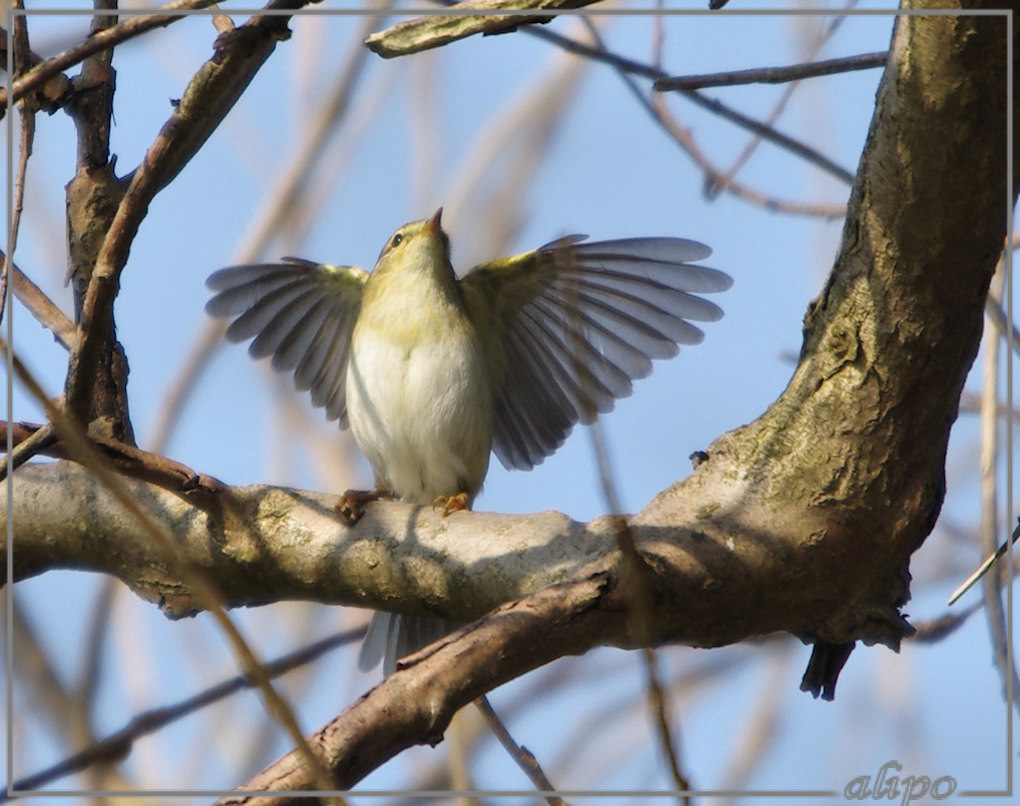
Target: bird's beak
[{"x": 436, "y": 222}]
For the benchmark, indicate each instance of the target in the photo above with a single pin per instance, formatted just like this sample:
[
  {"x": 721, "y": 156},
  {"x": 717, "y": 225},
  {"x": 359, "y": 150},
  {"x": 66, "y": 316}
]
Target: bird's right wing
[
  {"x": 570, "y": 325},
  {"x": 299, "y": 312}
]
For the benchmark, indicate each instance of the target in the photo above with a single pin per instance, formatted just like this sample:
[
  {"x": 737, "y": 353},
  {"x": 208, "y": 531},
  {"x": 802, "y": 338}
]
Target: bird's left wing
[
  {"x": 569, "y": 326},
  {"x": 302, "y": 314}
]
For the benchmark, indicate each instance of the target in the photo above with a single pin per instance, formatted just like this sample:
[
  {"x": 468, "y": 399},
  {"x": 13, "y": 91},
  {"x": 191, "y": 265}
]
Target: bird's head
[{"x": 418, "y": 246}]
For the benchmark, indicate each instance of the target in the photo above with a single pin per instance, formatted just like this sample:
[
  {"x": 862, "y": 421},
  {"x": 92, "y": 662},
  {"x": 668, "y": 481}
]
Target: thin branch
[
  {"x": 617, "y": 708},
  {"x": 635, "y": 574},
  {"x": 524, "y": 758},
  {"x": 30, "y": 442},
  {"x": 773, "y": 75},
  {"x": 50, "y": 97},
  {"x": 415, "y": 704},
  {"x": 936, "y": 629},
  {"x": 792, "y": 145},
  {"x": 48, "y": 697},
  {"x": 988, "y": 409},
  {"x": 714, "y": 178},
  {"x": 98, "y": 626},
  {"x": 118, "y": 745},
  {"x": 435, "y": 30},
  {"x": 657, "y": 704},
  {"x": 994, "y": 610},
  {"x": 129, "y": 460},
  {"x": 45, "y": 311},
  {"x": 657, "y": 110},
  {"x": 21, "y": 55},
  {"x": 780, "y": 105},
  {"x": 630, "y": 67},
  {"x": 211, "y": 93},
  {"x": 180, "y": 559},
  {"x": 289, "y": 190},
  {"x": 173, "y": 400},
  {"x": 997, "y": 315},
  {"x": 982, "y": 569},
  {"x": 108, "y": 38},
  {"x": 301, "y": 166},
  {"x": 760, "y": 732}
]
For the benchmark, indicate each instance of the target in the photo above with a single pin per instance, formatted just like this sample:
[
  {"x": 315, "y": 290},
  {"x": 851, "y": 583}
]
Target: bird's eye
[{"x": 396, "y": 239}]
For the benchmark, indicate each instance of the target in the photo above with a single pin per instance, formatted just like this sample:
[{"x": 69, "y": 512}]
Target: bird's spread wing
[
  {"x": 570, "y": 325},
  {"x": 302, "y": 314}
]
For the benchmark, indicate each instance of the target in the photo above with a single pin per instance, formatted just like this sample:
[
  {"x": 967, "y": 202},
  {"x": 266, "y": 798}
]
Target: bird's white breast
[{"x": 419, "y": 401}]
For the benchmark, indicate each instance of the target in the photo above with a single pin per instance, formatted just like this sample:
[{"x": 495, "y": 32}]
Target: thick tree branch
[
  {"x": 416, "y": 703},
  {"x": 289, "y": 544}
]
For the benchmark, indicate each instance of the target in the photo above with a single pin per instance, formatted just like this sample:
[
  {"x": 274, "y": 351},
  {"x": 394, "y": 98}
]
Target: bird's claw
[
  {"x": 351, "y": 505},
  {"x": 451, "y": 503}
]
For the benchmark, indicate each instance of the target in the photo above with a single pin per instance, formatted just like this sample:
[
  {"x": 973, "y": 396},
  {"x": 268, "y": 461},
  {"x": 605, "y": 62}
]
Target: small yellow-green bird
[{"x": 432, "y": 371}]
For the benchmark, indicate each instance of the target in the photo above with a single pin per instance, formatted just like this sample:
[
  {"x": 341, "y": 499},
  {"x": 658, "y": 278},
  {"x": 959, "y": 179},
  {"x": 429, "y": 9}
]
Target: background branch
[{"x": 436, "y": 30}]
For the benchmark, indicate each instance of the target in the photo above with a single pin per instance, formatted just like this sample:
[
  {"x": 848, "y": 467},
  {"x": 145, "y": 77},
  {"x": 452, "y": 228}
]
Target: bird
[{"x": 433, "y": 372}]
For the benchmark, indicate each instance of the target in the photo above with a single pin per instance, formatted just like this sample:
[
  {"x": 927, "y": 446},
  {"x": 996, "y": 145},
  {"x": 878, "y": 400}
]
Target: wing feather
[
  {"x": 299, "y": 312},
  {"x": 571, "y": 325}
]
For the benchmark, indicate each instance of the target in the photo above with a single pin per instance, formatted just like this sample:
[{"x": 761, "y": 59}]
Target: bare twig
[
  {"x": 118, "y": 745},
  {"x": 495, "y": 174},
  {"x": 994, "y": 610},
  {"x": 48, "y": 695},
  {"x": 205, "y": 590},
  {"x": 283, "y": 200},
  {"x": 659, "y": 707},
  {"x": 634, "y": 577},
  {"x": 982, "y": 569},
  {"x": 54, "y": 91},
  {"x": 416, "y": 703},
  {"x": 524, "y": 758},
  {"x": 301, "y": 166},
  {"x": 935, "y": 629},
  {"x": 209, "y": 96},
  {"x": 21, "y": 55},
  {"x": 773, "y": 75},
  {"x": 41, "y": 306},
  {"x": 791, "y": 144},
  {"x": 173, "y": 400},
  {"x": 31, "y": 443},
  {"x": 1000, "y": 322},
  {"x": 997, "y": 315},
  {"x": 153, "y": 468},
  {"x": 758, "y": 736},
  {"x": 102, "y": 40},
  {"x": 715, "y": 178},
  {"x": 779, "y": 106},
  {"x": 629, "y": 67},
  {"x": 657, "y": 110}
]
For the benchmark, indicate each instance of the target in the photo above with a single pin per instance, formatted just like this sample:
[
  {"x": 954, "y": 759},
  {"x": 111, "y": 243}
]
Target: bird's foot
[
  {"x": 452, "y": 503},
  {"x": 351, "y": 505}
]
